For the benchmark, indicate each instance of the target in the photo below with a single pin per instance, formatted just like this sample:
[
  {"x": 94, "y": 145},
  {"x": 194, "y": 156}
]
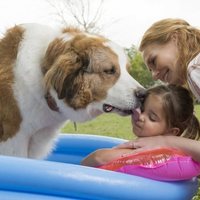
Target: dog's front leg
[{"x": 41, "y": 142}]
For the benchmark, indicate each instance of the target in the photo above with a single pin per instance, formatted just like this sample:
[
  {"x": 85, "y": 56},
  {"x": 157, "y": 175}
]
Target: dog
[{"x": 49, "y": 76}]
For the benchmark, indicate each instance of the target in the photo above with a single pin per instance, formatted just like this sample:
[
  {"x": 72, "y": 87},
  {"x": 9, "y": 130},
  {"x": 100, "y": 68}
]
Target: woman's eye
[{"x": 152, "y": 63}]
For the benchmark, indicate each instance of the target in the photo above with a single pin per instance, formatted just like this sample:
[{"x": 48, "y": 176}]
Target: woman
[{"x": 171, "y": 51}]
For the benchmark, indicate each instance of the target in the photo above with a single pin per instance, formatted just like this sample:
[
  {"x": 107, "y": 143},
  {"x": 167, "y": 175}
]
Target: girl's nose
[{"x": 141, "y": 117}]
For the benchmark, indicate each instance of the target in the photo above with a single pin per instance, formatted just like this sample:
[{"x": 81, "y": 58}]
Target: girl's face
[
  {"x": 162, "y": 61},
  {"x": 151, "y": 121}
]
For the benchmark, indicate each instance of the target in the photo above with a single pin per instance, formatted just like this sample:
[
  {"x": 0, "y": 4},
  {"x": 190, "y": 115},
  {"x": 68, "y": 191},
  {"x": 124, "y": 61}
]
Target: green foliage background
[{"x": 138, "y": 69}]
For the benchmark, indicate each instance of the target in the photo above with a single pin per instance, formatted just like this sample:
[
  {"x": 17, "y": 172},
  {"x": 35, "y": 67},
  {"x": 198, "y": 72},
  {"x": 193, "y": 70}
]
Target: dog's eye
[{"x": 110, "y": 71}]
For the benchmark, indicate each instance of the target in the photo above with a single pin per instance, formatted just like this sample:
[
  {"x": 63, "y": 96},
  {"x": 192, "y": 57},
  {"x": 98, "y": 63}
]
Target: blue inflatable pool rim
[{"x": 61, "y": 177}]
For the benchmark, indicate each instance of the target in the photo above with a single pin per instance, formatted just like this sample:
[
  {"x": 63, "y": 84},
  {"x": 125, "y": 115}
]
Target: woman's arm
[
  {"x": 190, "y": 147},
  {"x": 103, "y": 156}
]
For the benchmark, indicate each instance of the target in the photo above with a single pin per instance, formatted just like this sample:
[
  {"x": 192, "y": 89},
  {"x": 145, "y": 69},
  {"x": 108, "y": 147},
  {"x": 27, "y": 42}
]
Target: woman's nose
[{"x": 155, "y": 74}]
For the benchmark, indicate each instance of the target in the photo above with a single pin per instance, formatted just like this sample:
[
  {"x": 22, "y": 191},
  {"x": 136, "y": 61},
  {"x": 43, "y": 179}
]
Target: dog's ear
[
  {"x": 74, "y": 79},
  {"x": 63, "y": 68},
  {"x": 69, "y": 81},
  {"x": 85, "y": 63},
  {"x": 54, "y": 50},
  {"x": 62, "y": 73}
]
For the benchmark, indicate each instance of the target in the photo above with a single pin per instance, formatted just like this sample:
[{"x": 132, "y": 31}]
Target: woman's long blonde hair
[{"x": 188, "y": 36}]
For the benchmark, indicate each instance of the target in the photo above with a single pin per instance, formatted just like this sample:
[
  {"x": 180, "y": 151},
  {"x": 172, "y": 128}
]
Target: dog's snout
[{"x": 141, "y": 94}]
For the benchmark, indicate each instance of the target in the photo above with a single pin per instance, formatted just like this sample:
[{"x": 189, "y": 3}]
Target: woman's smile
[
  {"x": 165, "y": 76},
  {"x": 162, "y": 61}
]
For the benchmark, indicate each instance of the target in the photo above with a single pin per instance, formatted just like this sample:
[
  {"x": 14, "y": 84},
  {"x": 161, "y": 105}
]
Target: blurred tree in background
[
  {"x": 86, "y": 14},
  {"x": 138, "y": 69}
]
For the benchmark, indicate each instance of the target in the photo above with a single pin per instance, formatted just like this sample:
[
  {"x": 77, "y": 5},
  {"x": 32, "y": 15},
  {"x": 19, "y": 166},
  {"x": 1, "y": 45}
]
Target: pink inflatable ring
[{"x": 159, "y": 164}]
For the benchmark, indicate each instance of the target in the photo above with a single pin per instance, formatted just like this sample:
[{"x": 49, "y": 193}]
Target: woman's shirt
[{"x": 193, "y": 76}]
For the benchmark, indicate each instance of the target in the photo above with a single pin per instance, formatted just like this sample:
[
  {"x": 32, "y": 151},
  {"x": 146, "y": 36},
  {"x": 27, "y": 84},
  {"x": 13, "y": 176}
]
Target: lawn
[
  {"x": 106, "y": 124},
  {"x": 111, "y": 125}
]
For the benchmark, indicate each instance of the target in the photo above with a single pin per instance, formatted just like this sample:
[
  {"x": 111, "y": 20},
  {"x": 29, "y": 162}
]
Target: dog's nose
[{"x": 140, "y": 93}]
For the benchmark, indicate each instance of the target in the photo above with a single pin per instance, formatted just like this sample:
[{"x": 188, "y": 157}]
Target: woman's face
[
  {"x": 162, "y": 61},
  {"x": 151, "y": 121}
]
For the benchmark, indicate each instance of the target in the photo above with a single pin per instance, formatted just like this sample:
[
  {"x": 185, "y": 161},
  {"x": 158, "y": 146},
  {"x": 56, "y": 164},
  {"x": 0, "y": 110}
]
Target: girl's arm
[
  {"x": 190, "y": 147},
  {"x": 103, "y": 156}
]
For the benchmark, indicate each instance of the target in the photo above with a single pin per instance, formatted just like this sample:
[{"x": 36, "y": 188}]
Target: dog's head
[{"x": 89, "y": 73}]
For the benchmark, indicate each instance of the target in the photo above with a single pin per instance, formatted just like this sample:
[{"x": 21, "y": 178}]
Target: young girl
[
  {"x": 171, "y": 51},
  {"x": 166, "y": 110}
]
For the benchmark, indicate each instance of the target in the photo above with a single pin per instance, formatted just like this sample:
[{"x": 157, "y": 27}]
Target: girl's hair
[
  {"x": 188, "y": 42},
  {"x": 178, "y": 108}
]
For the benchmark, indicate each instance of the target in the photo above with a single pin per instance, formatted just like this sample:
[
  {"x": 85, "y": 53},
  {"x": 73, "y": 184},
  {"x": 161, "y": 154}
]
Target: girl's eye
[{"x": 152, "y": 118}]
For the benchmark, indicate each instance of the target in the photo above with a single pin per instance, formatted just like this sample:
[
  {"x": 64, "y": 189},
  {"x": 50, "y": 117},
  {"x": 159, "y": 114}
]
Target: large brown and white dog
[{"x": 49, "y": 76}]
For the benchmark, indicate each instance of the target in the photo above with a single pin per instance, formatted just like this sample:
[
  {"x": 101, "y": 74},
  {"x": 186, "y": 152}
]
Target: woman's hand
[
  {"x": 189, "y": 146},
  {"x": 146, "y": 143}
]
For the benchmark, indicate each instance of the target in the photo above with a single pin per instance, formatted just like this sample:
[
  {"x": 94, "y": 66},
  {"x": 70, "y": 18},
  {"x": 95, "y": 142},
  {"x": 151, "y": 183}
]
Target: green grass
[
  {"x": 106, "y": 124},
  {"x": 111, "y": 125}
]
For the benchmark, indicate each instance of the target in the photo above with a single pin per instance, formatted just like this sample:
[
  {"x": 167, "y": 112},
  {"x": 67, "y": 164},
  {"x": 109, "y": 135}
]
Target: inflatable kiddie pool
[{"x": 61, "y": 177}]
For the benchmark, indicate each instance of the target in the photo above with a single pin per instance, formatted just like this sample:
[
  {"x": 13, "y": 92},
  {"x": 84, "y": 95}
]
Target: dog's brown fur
[{"x": 10, "y": 117}]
